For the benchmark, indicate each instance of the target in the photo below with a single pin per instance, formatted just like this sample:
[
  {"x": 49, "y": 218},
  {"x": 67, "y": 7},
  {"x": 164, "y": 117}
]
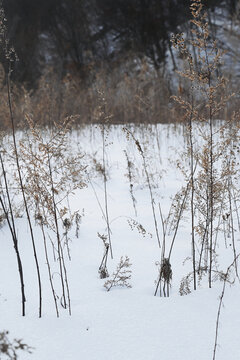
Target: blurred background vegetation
[{"x": 68, "y": 49}]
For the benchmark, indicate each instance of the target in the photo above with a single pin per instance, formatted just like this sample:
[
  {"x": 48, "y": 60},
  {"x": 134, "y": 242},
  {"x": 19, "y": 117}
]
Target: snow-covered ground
[{"x": 124, "y": 323}]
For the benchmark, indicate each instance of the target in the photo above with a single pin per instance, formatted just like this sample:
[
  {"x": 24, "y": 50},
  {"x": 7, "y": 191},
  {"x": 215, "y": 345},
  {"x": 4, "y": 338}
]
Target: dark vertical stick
[
  {"x": 23, "y": 191},
  {"x": 57, "y": 232},
  {"x": 192, "y": 195},
  {"x": 105, "y": 190},
  {"x": 221, "y": 304},
  {"x": 232, "y": 228},
  {"x": 19, "y": 262},
  {"x": 49, "y": 269}
]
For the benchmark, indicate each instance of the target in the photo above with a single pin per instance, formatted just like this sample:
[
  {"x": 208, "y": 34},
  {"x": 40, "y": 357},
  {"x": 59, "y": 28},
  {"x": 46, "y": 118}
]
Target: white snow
[{"x": 122, "y": 324}]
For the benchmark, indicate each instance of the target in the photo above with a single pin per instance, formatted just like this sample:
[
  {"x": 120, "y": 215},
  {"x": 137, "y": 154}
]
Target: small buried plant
[
  {"x": 185, "y": 285},
  {"x": 9, "y": 349},
  {"x": 121, "y": 276}
]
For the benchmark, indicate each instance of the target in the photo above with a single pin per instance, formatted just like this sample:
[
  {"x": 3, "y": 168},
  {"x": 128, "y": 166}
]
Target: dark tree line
[{"x": 79, "y": 32}]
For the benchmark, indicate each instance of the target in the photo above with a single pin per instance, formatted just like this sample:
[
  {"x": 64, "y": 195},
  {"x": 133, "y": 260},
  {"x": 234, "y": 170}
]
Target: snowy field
[{"x": 123, "y": 323}]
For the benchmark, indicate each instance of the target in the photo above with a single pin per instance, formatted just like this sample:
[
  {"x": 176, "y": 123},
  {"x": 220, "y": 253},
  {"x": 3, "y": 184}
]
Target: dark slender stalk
[
  {"x": 178, "y": 219},
  {"x": 232, "y": 228},
  {"x": 221, "y": 304},
  {"x": 23, "y": 191},
  {"x": 104, "y": 259},
  {"x": 164, "y": 229},
  {"x": 148, "y": 182},
  {"x": 152, "y": 199},
  {"x": 14, "y": 235},
  {"x": 180, "y": 213},
  {"x": 8, "y": 195},
  {"x": 66, "y": 281},
  {"x": 19, "y": 261},
  {"x": 204, "y": 241},
  {"x": 236, "y": 209},
  {"x": 219, "y": 223},
  {"x": 57, "y": 232},
  {"x": 192, "y": 194},
  {"x": 158, "y": 144},
  {"x": 105, "y": 190},
  {"x": 98, "y": 201},
  {"x": 210, "y": 145},
  {"x": 211, "y": 198},
  {"x": 130, "y": 178},
  {"x": 49, "y": 269}
]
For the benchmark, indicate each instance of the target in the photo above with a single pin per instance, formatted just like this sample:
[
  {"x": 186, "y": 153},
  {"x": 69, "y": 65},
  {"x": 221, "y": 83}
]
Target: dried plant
[
  {"x": 78, "y": 219},
  {"x": 9, "y": 349},
  {"x": 67, "y": 224},
  {"x": 104, "y": 118},
  {"x": 201, "y": 107},
  {"x": 139, "y": 227},
  {"x": 185, "y": 284},
  {"x": 2, "y": 219},
  {"x": 121, "y": 276},
  {"x": 129, "y": 135},
  {"x": 98, "y": 166},
  {"x": 226, "y": 280},
  {"x": 52, "y": 174},
  {"x": 11, "y": 57},
  {"x": 8, "y": 214}
]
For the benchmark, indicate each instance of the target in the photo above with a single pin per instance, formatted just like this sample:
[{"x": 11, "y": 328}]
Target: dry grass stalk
[{"x": 129, "y": 135}]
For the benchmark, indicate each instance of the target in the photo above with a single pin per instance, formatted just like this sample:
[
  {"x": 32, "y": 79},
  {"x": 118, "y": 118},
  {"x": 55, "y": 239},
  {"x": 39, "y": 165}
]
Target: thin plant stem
[
  {"x": 49, "y": 269},
  {"x": 105, "y": 190},
  {"x": 23, "y": 191}
]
